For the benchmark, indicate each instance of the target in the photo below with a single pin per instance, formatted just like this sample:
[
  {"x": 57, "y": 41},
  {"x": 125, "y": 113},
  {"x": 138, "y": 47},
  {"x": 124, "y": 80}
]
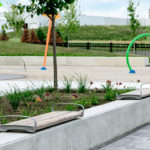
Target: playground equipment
[
  {"x": 1, "y": 5},
  {"x": 47, "y": 40},
  {"x": 33, "y": 124},
  {"x": 128, "y": 51}
]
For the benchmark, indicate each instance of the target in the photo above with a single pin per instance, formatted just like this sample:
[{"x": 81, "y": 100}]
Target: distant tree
[
  {"x": 15, "y": 18},
  {"x": 50, "y": 7},
  {"x": 41, "y": 36},
  {"x": 4, "y": 36},
  {"x": 58, "y": 38},
  {"x": 134, "y": 23},
  {"x": 25, "y": 36},
  {"x": 69, "y": 22},
  {"x": 33, "y": 38}
]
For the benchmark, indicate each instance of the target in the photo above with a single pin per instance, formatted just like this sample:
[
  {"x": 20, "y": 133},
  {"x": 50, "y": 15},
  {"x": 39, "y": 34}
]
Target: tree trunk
[
  {"x": 54, "y": 54},
  {"x": 68, "y": 39}
]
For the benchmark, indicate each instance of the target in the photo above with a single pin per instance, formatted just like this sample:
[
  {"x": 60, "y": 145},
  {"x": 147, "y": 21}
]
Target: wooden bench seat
[
  {"x": 33, "y": 124},
  {"x": 137, "y": 94}
]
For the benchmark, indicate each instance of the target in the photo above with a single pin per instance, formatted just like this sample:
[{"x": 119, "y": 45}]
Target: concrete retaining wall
[
  {"x": 72, "y": 61},
  {"x": 99, "y": 125}
]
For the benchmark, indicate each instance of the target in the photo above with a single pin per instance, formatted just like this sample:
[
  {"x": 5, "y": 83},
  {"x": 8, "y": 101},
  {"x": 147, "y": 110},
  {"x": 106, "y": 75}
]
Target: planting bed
[{"x": 33, "y": 102}]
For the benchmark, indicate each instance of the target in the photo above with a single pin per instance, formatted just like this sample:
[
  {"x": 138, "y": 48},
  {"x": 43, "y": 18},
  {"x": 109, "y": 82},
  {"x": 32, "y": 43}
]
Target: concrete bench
[{"x": 33, "y": 124}]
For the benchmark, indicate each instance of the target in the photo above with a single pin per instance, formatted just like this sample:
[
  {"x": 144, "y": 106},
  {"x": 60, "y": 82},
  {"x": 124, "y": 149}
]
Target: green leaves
[
  {"x": 69, "y": 22},
  {"x": 15, "y": 18},
  {"x": 1, "y": 5},
  {"x": 48, "y": 6},
  {"x": 134, "y": 23}
]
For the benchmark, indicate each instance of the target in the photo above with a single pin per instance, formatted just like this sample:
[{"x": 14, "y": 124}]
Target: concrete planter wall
[
  {"x": 73, "y": 61},
  {"x": 99, "y": 125}
]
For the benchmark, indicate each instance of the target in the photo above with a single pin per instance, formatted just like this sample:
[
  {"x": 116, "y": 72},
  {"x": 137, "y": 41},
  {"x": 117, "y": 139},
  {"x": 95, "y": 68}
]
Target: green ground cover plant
[
  {"x": 82, "y": 83},
  {"x": 67, "y": 83}
]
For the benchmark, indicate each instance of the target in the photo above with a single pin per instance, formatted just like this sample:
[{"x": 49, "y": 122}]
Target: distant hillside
[
  {"x": 118, "y": 33},
  {"x": 103, "y": 33}
]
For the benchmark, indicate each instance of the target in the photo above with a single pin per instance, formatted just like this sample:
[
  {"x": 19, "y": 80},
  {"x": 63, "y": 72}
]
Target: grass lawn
[{"x": 9, "y": 48}]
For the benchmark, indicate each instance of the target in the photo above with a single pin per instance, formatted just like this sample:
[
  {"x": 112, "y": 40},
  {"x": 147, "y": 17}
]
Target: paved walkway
[
  {"x": 139, "y": 140},
  {"x": 95, "y": 73}
]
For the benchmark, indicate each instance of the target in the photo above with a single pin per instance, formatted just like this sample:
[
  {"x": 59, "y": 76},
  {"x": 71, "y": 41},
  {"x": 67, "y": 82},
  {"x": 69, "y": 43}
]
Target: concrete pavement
[
  {"x": 94, "y": 73},
  {"x": 139, "y": 140}
]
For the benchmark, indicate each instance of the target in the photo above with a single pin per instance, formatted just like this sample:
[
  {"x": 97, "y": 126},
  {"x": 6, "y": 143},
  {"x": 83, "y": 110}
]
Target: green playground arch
[
  {"x": 1, "y": 4},
  {"x": 128, "y": 50}
]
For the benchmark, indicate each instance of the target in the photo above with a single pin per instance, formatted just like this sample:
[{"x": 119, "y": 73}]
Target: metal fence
[{"x": 137, "y": 49}]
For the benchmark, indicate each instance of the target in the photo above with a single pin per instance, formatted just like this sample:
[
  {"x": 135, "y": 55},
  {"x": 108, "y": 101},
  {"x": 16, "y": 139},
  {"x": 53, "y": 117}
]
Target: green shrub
[
  {"x": 14, "y": 97},
  {"x": 4, "y": 36},
  {"x": 40, "y": 91},
  {"x": 69, "y": 108},
  {"x": 110, "y": 93},
  {"x": 41, "y": 36},
  {"x": 85, "y": 102},
  {"x": 108, "y": 87},
  {"x": 27, "y": 96},
  {"x": 94, "y": 100},
  {"x": 67, "y": 83},
  {"x": 49, "y": 87},
  {"x": 82, "y": 83},
  {"x": 47, "y": 109}
]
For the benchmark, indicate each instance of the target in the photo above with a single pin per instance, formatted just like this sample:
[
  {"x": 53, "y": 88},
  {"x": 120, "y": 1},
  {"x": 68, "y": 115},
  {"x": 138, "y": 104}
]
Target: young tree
[
  {"x": 134, "y": 23},
  {"x": 15, "y": 19},
  {"x": 51, "y": 9},
  {"x": 69, "y": 22}
]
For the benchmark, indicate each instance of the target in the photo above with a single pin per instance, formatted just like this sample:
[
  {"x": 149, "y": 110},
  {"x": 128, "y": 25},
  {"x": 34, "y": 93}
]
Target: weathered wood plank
[
  {"x": 145, "y": 93},
  {"x": 49, "y": 119},
  {"x": 57, "y": 120}
]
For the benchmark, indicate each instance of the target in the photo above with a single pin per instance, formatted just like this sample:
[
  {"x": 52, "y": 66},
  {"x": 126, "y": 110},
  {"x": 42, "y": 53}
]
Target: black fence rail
[{"x": 136, "y": 49}]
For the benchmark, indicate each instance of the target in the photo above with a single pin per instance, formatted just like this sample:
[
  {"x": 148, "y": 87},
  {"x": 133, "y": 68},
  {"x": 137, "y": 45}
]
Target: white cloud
[
  {"x": 3, "y": 9},
  {"x": 121, "y": 13},
  {"x": 87, "y": 7},
  {"x": 110, "y": 11},
  {"x": 23, "y": 2}
]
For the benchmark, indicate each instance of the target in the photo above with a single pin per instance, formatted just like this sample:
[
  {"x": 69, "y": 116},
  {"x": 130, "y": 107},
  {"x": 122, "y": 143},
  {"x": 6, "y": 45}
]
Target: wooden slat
[
  {"x": 145, "y": 93},
  {"x": 49, "y": 119},
  {"x": 59, "y": 119},
  {"x": 40, "y": 117}
]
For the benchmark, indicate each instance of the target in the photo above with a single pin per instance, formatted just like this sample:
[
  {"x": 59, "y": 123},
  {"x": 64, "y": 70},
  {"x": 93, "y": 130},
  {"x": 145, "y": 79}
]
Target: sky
[{"x": 106, "y": 8}]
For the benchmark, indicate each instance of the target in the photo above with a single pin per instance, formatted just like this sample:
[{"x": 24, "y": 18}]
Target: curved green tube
[
  {"x": 1, "y": 5},
  {"x": 128, "y": 50}
]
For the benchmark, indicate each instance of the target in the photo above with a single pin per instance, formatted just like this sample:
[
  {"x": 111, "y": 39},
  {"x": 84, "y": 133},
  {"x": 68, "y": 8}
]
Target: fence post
[
  {"x": 88, "y": 45},
  {"x": 66, "y": 44},
  {"x": 111, "y": 48},
  {"x": 135, "y": 48}
]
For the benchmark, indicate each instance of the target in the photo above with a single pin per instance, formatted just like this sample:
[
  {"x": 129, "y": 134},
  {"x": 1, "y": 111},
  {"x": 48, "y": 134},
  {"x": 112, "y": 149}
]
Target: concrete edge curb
[
  {"x": 94, "y": 129},
  {"x": 27, "y": 61}
]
